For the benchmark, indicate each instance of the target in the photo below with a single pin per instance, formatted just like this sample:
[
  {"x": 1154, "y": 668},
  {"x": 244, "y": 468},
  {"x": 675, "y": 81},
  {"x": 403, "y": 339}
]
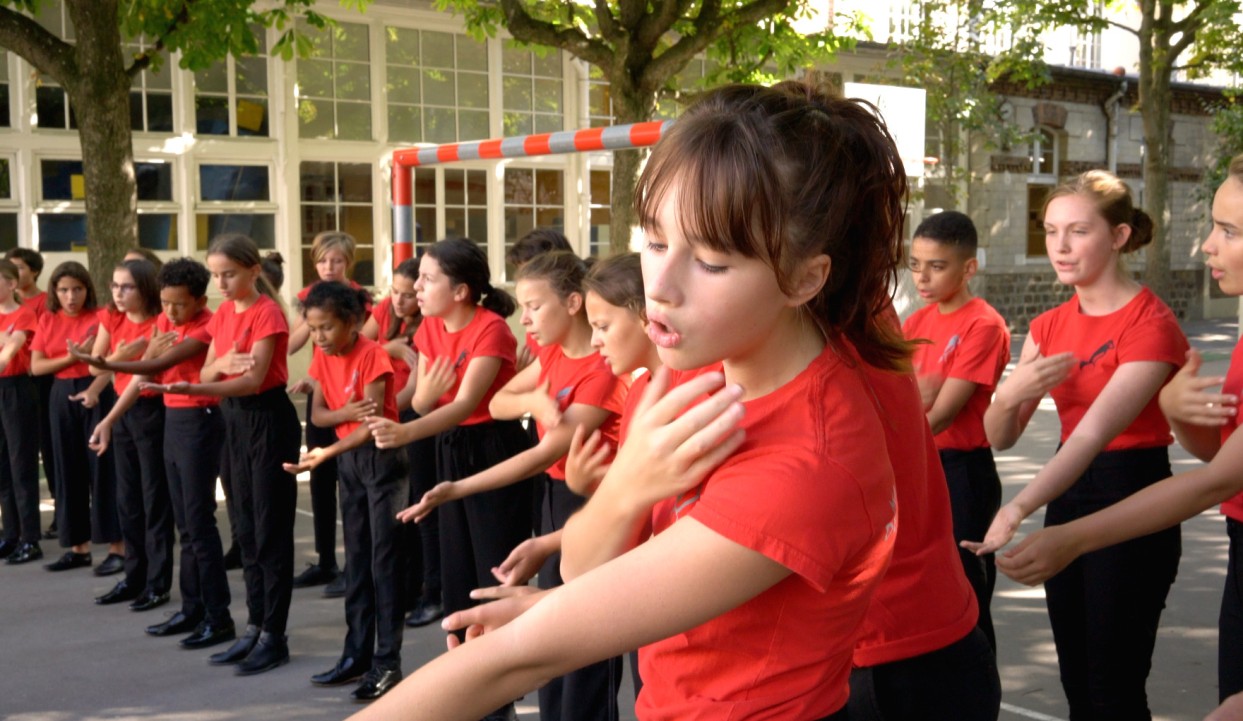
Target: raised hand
[
  {"x": 1039, "y": 556},
  {"x": 587, "y": 461},
  {"x": 440, "y": 494},
  {"x": 1187, "y": 398},
  {"x": 433, "y": 381},
  {"x": 1005, "y": 524},
  {"x": 1034, "y": 376}
]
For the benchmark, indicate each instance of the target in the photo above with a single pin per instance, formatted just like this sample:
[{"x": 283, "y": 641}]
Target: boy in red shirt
[{"x": 967, "y": 347}]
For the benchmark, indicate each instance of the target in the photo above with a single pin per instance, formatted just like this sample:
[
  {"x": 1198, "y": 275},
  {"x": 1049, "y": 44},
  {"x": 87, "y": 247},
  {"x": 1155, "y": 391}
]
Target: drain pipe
[{"x": 1112, "y": 107}]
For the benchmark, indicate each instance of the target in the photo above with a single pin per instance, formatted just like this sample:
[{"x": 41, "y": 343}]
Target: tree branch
[
  {"x": 29, "y": 40},
  {"x": 630, "y": 13},
  {"x": 710, "y": 25},
  {"x": 1192, "y": 18},
  {"x": 529, "y": 30},
  {"x": 1120, "y": 26},
  {"x": 608, "y": 24},
  {"x": 654, "y": 25},
  {"x": 142, "y": 62}
]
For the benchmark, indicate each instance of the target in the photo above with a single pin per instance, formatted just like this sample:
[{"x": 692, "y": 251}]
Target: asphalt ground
[{"x": 62, "y": 658}]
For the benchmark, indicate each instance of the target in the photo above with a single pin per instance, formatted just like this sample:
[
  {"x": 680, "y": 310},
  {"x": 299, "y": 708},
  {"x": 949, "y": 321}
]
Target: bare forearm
[
  {"x": 1203, "y": 442},
  {"x": 232, "y": 388},
  {"x": 1003, "y": 425},
  {"x": 606, "y": 527},
  {"x": 509, "y": 471},
  {"x": 507, "y": 405},
  {"x": 1059, "y": 474}
]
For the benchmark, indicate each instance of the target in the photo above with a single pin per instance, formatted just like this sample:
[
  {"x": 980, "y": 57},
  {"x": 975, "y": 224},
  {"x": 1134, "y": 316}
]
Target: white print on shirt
[{"x": 949, "y": 348}]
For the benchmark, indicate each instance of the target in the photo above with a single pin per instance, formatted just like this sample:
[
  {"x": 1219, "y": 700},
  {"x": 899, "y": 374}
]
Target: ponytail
[{"x": 498, "y": 301}]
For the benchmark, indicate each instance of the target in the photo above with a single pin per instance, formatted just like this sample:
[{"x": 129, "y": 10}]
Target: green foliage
[{"x": 1227, "y": 125}]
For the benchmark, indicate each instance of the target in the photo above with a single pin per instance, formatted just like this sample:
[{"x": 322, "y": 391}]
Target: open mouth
[{"x": 662, "y": 334}]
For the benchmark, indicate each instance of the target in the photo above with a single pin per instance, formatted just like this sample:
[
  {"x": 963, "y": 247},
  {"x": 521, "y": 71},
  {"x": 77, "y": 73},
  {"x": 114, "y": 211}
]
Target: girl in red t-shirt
[
  {"x": 773, "y": 513},
  {"x": 393, "y": 322},
  {"x": 86, "y": 507},
  {"x": 1103, "y": 356},
  {"x": 246, "y": 367},
  {"x": 19, "y": 449},
  {"x": 134, "y": 431}
]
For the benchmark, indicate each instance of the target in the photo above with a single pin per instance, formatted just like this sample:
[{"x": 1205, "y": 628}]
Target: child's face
[
  {"x": 405, "y": 299},
  {"x": 618, "y": 334},
  {"x": 939, "y": 270},
  {"x": 179, "y": 304},
  {"x": 545, "y": 315},
  {"x": 332, "y": 266},
  {"x": 329, "y": 333},
  {"x": 1224, "y": 245},
  {"x": 1081, "y": 244},
  {"x": 71, "y": 294},
  {"x": 435, "y": 292},
  {"x": 125, "y": 293},
  {"x": 234, "y": 281},
  {"x": 8, "y": 286},
  {"x": 25, "y": 278}
]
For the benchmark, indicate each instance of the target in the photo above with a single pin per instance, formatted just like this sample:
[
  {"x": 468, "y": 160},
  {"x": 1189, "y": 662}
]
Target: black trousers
[
  {"x": 142, "y": 495},
  {"x": 421, "y": 541},
  {"x": 374, "y": 487},
  {"x": 478, "y": 532},
  {"x": 19, "y": 460},
  {"x": 86, "y": 487},
  {"x": 261, "y": 434},
  {"x": 955, "y": 683},
  {"x": 975, "y": 496},
  {"x": 1105, "y": 607},
  {"x": 1230, "y": 620},
  {"x": 589, "y": 692},
  {"x": 43, "y": 388},
  {"x": 193, "y": 438},
  {"x": 323, "y": 492}
]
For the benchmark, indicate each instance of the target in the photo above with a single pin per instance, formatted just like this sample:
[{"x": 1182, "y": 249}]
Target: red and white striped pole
[{"x": 616, "y": 137}]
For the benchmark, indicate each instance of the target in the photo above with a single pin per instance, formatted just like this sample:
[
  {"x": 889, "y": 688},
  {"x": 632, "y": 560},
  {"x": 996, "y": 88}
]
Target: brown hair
[
  {"x": 783, "y": 174},
  {"x": 465, "y": 263},
  {"x": 409, "y": 269},
  {"x": 618, "y": 280},
  {"x": 1112, "y": 199},
  {"x": 8, "y": 270},
  {"x": 77, "y": 271},
  {"x": 242, "y": 250},
  {"x": 1236, "y": 167},
  {"x": 563, "y": 270},
  {"x": 334, "y": 240},
  {"x": 536, "y": 242},
  {"x": 148, "y": 255},
  {"x": 146, "y": 281}
]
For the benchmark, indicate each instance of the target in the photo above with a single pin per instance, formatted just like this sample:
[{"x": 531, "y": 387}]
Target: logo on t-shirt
[
  {"x": 1098, "y": 353},
  {"x": 563, "y": 394},
  {"x": 352, "y": 385},
  {"x": 460, "y": 360},
  {"x": 949, "y": 347}
]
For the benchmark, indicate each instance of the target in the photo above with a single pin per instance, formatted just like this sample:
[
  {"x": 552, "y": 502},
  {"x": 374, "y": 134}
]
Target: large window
[
  {"x": 151, "y": 95},
  {"x": 4, "y": 91},
  {"x": 1045, "y": 158},
  {"x": 8, "y": 206},
  {"x": 231, "y": 97},
  {"x": 51, "y": 101},
  {"x": 235, "y": 199},
  {"x": 533, "y": 199},
  {"x": 424, "y": 190},
  {"x": 337, "y": 196},
  {"x": 532, "y": 91},
  {"x": 466, "y": 204},
  {"x": 437, "y": 85},
  {"x": 334, "y": 83},
  {"x": 61, "y": 215}
]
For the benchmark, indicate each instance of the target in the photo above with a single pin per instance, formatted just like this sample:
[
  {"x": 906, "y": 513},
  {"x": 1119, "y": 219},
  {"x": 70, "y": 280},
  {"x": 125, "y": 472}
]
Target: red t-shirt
[
  {"x": 38, "y": 304},
  {"x": 587, "y": 381},
  {"x": 1142, "y": 330},
  {"x": 383, "y": 315},
  {"x": 187, "y": 370},
  {"x": 20, "y": 320},
  {"x": 487, "y": 335},
  {"x": 122, "y": 330},
  {"x": 231, "y": 330},
  {"x": 1233, "y": 508},
  {"x": 55, "y": 329},
  {"x": 924, "y": 603},
  {"x": 972, "y": 344},
  {"x": 808, "y": 490},
  {"x": 302, "y": 294},
  {"x": 633, "y": 396},
  {"x": 343, "y": 378}
]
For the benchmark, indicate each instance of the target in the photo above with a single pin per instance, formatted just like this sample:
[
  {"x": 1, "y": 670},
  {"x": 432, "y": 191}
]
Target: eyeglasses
[{"x": 124, "y": 287}]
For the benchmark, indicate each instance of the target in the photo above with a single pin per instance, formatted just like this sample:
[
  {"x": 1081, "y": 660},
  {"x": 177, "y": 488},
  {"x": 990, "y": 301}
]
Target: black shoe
[
  {"x": 177, "y": 623},
  {"x": 271, "y": 651},
  {"x": 7, "y": 547},
  {"x": 25, "y": 553},
  {"x": 233, "y": 559},
  {"x": 123, "y": 591},
  {"x": 336, "y": 589},
  {"x": 346, "y": 670},
  {"x": 114, "y": 563},
  {"x": 240, "y": 648},
  {"x": 376, "y": 683},
  {"x": 51, "y": 534},
  {"x": 424, "y": 612},
  {"x": 208, "y": 633},
  {"x": 315, "y": 575},
  {"x": 149, "y": 600},
  {"x": 504, "y": 713},
  {"x": 70, "y": 560}
]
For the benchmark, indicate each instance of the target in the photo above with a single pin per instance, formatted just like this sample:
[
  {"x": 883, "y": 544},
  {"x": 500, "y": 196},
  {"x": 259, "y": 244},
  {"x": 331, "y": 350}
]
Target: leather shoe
[
  {"x": 233, "y": 558},
  {"x": 376, "y": 683},
  {"x": 120, "y": 592},
  {"x": 25, "y": 553},
  {"x": 149, "y": 600},
  {"x": 69, "y": 560},
  {"x": 315, "y": 575},
  {"x": 114, "y": 563},
  {"x": 177, "y": 623},
  {"x": 346, "y": 670},
  {"x": 209, "y": 633},
  {"x": 239, "y": 650},
  {"x": 271, "y": 651},
  {"x": 504, "y": 713},
  {"x": 335, "y": 589},
  {"x": 8, "y": 546},
  {"x": 51, "y": 534},
  {"x": 424, "y": 612}
]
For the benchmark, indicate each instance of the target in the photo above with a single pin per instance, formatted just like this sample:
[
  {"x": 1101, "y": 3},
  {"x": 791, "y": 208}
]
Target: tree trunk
[
  {"x": 1154, "y": 103},
  {"x": 630, "y": 105},
  {"x": 99, "y": 95}
]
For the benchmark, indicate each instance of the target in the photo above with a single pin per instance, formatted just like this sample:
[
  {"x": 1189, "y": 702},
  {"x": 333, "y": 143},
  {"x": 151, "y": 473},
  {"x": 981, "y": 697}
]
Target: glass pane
[
  {"x": 548, "y": 187},
  {"x": 357, "y": 220},
  {"x": 518, "y": 124},
  {"x": 473, "y": 125},
  {"x": 404, "y": 124},
  {"x": 471, "y": 55},
  {"x": 424, "y": 189},
  {"x": 355, "y": 182},
  {"x": 354, "y": 121},
  {"x": 353, "y": 81},
  {"x": 8, "y": 231},
  {"x": 314, "y": 78},
  {"x": 213, "y": 79},
  {"x": 252, "y": 76},
  {"x": 477, "y": 226},
  {"x": 252, "y": 116},
  {"x": 548, "y": 96},
  {"x": 211, "y": 115},
  {"x": 438, "y": 126},
  {"x": 549, "y": 66},
  {"x": 601, "y": 183},
  {"x": 455, "y": 223},
  {"x": 516, "y": 93},
  {"x": 519, "y": 183},
  {"x": 438, "y": 87},
  {"x": 63, "y": 180},
  {"x": 154, "y": 180},
  {"x": 5, "y": 121},
  {"x": 477, "y": 187},
  {"x": 309, "y": 275},
  {"x": 455, "y": 186},
  {"x": 137, "y": 121},
  {"x": 261, "y": 38},
  {"x": 315, "y": 119},
  {"x": 437, "y": 50},
  {"x": 403, "y": 85},
  {"x": 61, "y": 232},
  {"x": 472, "y": 90},
  {"x": 260, "y": 228},
  {"x": 6, "y": 182},
  {"x": 549, "y": 123},
  {"x": 158, "y": 79},
  {"x": 364, "y": 266},
  {"x": 157, "y": 231},
  {"x": 159, "y": 112},
  {"x": 50, "y": 107},
  {"x": 350, "y": 42},
  {"x": 316, "y": 219},
  {"x": 321, "y": 42},
  {"x": 515, "y": 60},
  {"x": 549, "y": 218},
  {"x": 425, "y": 226},
  {"x": 402, "y": 45},
  {"x": 233, "y": 182},
  {"x": 316, "y": 182}
]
